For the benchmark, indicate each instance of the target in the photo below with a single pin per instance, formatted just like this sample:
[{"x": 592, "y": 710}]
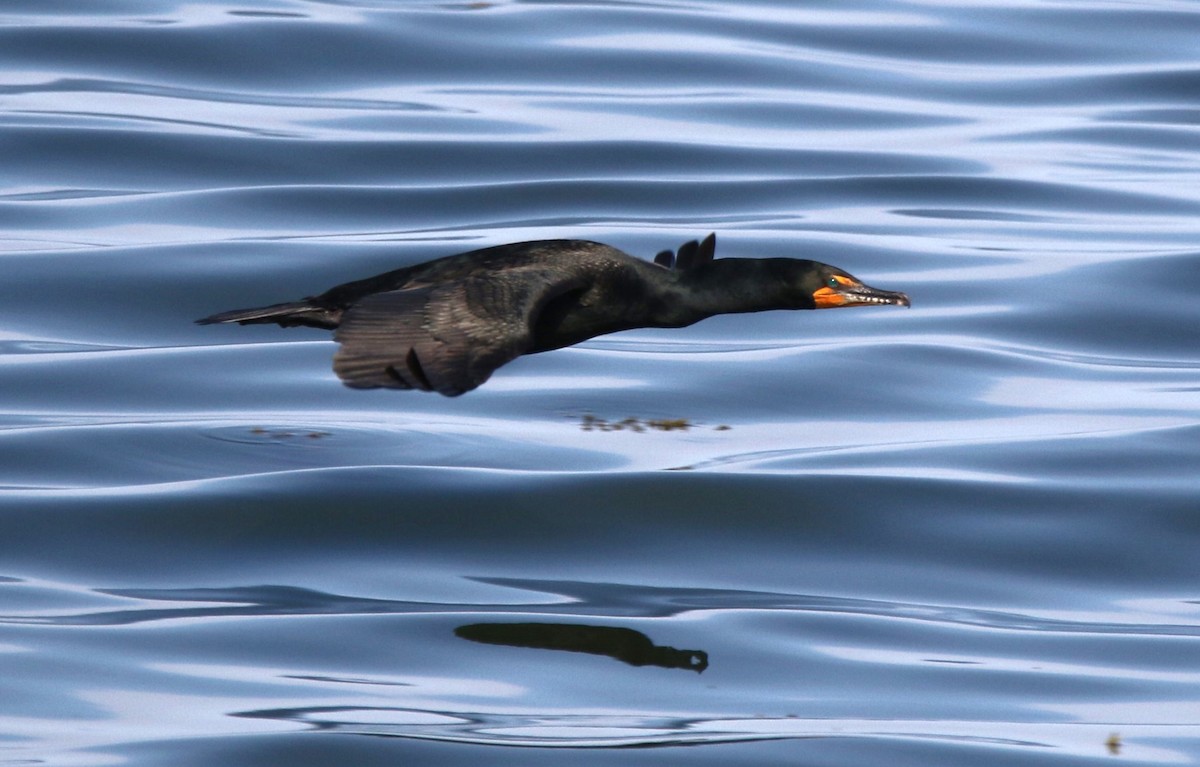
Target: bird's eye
[{"x": 832, "y": 282}]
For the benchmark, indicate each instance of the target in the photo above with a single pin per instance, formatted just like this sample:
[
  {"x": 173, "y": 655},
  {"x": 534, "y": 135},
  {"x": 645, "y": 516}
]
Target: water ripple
[
  {"x": 216, "y": 553},
  {"x": 571, "y": 601}
]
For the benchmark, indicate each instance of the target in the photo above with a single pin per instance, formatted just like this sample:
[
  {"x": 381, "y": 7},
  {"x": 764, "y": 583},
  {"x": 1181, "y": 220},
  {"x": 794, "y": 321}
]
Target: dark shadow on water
[{"x": 626, "y": 645}]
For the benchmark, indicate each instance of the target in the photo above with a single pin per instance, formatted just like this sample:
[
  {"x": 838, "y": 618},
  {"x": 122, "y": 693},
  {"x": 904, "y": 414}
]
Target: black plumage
[{"x": 446, "y": 325}]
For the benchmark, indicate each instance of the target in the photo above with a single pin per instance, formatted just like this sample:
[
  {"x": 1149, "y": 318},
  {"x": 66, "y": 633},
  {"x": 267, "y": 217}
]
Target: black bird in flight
[{"x": 446, "y": 325}]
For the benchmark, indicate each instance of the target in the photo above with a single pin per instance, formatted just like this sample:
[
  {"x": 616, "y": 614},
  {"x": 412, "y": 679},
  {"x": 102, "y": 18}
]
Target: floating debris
[
  {"x": 282, "y": 434},
  {"x": 1114, "y": 743},
  {"x": 589, "y": 422}
]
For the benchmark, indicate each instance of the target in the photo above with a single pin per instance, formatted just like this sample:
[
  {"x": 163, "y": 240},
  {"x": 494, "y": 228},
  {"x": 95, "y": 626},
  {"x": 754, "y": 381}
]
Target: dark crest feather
[
  {"x": 708, "y": 249},
  {"x": 691, "y": 254},
  {"x": 685, "y": 257}
]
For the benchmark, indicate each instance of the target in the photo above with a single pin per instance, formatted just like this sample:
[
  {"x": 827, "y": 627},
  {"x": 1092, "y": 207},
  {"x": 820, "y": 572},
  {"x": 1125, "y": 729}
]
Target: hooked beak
[{"x": 857, "y": 294}]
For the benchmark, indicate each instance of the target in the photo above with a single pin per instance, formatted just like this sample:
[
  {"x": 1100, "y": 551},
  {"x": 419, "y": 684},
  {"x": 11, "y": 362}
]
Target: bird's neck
[{"x": 731, "y": 286}]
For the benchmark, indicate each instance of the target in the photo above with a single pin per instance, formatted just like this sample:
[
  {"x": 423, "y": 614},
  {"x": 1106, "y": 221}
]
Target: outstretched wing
[{"x": 446, "y": 338}]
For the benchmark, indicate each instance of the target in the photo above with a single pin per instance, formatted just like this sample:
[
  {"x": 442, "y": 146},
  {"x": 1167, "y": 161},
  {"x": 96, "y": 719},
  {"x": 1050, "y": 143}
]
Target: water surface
[{"x": 962, "y": 532}]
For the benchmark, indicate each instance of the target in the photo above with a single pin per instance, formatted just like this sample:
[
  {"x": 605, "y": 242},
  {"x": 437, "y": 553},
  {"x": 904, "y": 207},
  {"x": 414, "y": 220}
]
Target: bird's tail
[{"x": 284, "y": 315}]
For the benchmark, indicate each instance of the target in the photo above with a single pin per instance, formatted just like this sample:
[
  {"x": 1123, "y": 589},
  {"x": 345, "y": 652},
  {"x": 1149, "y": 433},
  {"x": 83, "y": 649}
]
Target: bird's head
[{"x": 831, "y": 288}]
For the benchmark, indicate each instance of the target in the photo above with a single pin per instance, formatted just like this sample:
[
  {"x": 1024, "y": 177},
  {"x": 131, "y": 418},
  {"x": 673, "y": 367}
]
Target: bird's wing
[{"x": 446, "y": 338}]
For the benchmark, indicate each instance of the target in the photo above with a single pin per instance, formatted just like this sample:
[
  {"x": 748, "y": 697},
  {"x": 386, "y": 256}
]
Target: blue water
[{"x": 964, "y": 533}]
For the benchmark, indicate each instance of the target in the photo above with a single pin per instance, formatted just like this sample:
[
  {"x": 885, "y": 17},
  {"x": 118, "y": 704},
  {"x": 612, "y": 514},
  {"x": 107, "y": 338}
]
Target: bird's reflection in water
[{"x": 632, "y": 647}]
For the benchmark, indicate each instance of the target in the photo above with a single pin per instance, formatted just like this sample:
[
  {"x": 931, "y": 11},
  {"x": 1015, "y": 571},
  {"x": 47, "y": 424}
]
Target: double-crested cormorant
[{"x": 446, "y": 325}]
